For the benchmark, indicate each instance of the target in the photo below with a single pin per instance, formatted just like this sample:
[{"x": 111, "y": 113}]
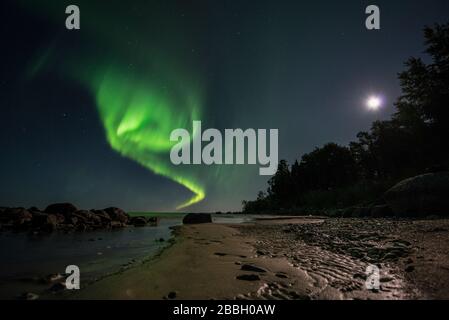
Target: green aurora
[
  {"x": 139, "y": 107},
  {"x": 138, "y": 118}
]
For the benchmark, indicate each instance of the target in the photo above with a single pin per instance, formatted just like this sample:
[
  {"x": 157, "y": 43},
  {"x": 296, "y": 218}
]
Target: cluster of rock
[
  {"x": 422, "y": 196},
  {"x": 66, "y": 217}
]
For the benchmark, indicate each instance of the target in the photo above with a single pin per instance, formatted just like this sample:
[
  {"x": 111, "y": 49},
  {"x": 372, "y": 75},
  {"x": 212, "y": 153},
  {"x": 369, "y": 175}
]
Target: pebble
[
  {"x": 29, "y": 296},
  {"x": 252, "y": 268},
  {"x": 248, "y": 277}
]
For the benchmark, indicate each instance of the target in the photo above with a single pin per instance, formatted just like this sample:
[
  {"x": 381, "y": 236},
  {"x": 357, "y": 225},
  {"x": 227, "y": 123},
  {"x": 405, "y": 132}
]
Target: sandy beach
[{"x": 290, "y": 258}]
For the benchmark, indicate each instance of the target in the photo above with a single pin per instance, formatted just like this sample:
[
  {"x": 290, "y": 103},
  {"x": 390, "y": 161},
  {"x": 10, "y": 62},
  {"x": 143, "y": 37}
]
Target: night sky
[{"x": 303, "y": 68}]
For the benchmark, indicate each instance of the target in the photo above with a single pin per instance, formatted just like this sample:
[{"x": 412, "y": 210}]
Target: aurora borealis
[
  {"x": 139, "y": 111},
  {"x": 87, "y": 114},
  {"x": 138, "y": 118}
]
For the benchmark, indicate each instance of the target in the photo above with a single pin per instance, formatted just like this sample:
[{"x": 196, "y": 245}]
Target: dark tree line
[{"x": 412, "y": 142}]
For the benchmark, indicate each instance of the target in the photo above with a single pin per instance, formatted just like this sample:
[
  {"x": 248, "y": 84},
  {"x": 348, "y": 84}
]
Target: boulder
[
  {"x": 60, "y": 218},
  {"x": 82, "y": 217},
  {"x": 45, "y": 222},
  {"x": 57, "y": 287},
  {"x": 420, "y": 196},
  {"x": 103, "y": 215},
  {"x": 139, "y": 221},
  {"x": 117, "y": 214},
  {"x": 197, "y": 218},
  {"x": 71, "y": 221},
  {"x": 62, "y": 208},
  {"x": 153, "y": 221},
  {"x": 116, "y": 224},
  {"x": 96, "y": 220},
  {"x": 22, "y": 221},
  {"x": 84, "y": 213},
  {"x": 81, "y": 227},
  {"x": 15, "y": 214}
]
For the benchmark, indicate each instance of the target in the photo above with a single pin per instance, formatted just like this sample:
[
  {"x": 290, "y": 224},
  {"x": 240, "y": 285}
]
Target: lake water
[{"x": 25, "y": 258}]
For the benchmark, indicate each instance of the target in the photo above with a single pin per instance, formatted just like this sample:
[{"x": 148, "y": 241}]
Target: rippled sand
[{"x": 300, "y": 258}]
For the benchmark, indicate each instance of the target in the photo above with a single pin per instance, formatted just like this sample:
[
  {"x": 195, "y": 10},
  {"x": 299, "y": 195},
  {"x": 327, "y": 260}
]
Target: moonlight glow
[{"x": 374, "y": 103}]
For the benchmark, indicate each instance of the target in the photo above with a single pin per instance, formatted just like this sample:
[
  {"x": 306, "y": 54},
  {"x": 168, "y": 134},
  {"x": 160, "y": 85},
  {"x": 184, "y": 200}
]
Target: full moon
[{"x": 374, "y": 103}]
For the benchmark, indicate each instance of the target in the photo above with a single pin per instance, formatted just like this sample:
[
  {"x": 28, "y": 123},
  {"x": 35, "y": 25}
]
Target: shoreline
[
  {"x": 205, "y": 261},
  {"x": 285, "y": 257},
  {"x": 193, "y": 267}
]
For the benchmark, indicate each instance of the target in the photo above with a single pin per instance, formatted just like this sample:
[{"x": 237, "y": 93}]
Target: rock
[
  {"x": 381, "y": 211},
  {"x": 96, "y": 221},
  {"x": 44, "y": 222},
  {"x": 248, "y": 277},
  {"x": 153, "y": 221},
  {"x": 420, "y": 196},
  {"x": 57, "y": 287},
  {"x": 66, "y": 218},
  {"x": 71, "y": 221},
  {"x": 60, "y": 218},
  {"x": 62, "y": 208},
  {"x": 53, "y": 278},
  {"x": 80, "y": 219},
  {"x": 29, "y": 296},
  {"x": 15, "y": 214},
  {"x": 20, "y": 218},
  {"x": 220, "y": 254},
  {"x": 81, "y": 227},
  {"x": 197, "y": 218},
  {"x": 48, "y": 227},
  {"x": 139, "y": 221},
  {"x": 386, "y": 279},
  {"x": 281, "y": 275},
  {"x": 103, "y": 215},
  {"x": 252, "y": 268},
  {"x": 84, "y": 215},
  {"x": 116, "y": 225},
  {"x": 172, "y": 295},
  {"x": 117, "y": 214},
  {"x": 360, "y": 276}
]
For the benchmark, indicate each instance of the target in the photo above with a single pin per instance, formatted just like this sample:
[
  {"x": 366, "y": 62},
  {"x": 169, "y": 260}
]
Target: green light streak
[
  {"x": 140, "y": 107},
  {"x": 138, "y": 117}
]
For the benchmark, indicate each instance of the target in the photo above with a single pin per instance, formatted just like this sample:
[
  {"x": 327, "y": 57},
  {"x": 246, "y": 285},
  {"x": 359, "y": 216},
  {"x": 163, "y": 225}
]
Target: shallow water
[
  {"x": 26, "y": 257},
  {"x": 96, "y": 253}
]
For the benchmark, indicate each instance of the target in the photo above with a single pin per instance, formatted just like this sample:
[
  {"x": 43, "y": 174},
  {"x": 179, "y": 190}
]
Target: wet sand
[{"x": 300, "y": 258}]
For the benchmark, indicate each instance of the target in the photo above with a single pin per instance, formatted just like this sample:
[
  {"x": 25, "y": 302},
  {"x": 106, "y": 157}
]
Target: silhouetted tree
[
  {"x": 423, "y": 108},
  {"x": 280, "y": 191},
  {"x": 414, "y": 141},
  {"x": 386, "y": 152},
  {"x": 327, "y": 168}
]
